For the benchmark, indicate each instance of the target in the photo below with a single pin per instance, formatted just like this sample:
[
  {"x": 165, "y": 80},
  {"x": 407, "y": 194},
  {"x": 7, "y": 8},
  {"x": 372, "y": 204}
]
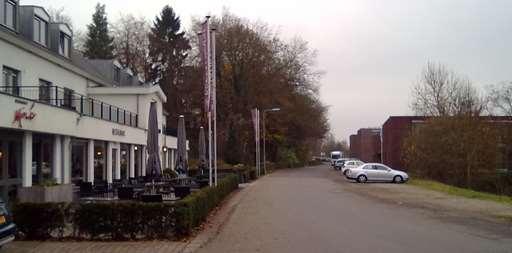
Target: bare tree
[
  {"x": 131, "y": 43},
  {"x": 59, "y": 15},
  {"x": 441, "y": 92},
  {"x": 330, "y": 143},
  {"x": 500, "y": 98}
]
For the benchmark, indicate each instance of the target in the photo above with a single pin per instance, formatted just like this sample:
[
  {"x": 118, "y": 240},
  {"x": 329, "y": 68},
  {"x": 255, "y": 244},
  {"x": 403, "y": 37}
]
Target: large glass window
[
  {"x": 10, "y": 14},
  {"x": 10, "y": 78},
  {"x": 42, "y": 152},
  {"x": 65, "y": 44},
  {"x": 40, "y": 30},
  {"x": 10, "y": 166}
]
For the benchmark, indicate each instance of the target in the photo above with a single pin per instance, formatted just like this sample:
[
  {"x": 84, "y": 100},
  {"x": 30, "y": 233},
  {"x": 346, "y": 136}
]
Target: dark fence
[{"x": 68, "y": 99}]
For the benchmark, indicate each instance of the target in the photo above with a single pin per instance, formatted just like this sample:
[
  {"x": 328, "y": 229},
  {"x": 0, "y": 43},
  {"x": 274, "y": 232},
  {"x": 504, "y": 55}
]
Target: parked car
[
  {"x": 7, "y": 226},
  {"x": 376, "y": 172},
  {"x": 350, "y": 164},
  {"x": 338, "y": 164}
]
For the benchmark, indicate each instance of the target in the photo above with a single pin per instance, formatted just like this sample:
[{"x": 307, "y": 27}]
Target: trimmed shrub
[
  {"x": 41, "y": 220},
  {"x": 193, "y": 210},
  {"x": 121, "y": 220},
  {"x": 125, "y": 220}
]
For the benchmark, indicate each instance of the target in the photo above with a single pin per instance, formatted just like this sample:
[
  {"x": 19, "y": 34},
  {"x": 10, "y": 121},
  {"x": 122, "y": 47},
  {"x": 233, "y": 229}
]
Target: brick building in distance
[
  {"x": 397, "y": 128},
  {"x": 366, "y": 145},
  {"x": 394, "y": 131}
]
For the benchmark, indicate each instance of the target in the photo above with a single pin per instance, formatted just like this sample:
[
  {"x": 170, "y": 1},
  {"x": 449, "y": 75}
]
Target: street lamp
[{"x": 264, "y": 133}]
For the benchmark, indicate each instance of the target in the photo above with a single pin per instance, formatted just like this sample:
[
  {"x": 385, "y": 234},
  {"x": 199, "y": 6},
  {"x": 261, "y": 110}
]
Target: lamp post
[{"x": 264, "y": 137}]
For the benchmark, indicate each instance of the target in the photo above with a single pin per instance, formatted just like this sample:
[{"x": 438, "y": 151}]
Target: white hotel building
[{"x": 64, "y": 117}]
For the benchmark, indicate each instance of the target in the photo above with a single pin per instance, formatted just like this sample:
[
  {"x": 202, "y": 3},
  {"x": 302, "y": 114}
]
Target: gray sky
[{"x": 371, "y": 50}]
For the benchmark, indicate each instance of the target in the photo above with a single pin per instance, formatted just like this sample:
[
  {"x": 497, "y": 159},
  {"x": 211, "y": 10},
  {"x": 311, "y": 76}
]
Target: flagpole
[
  {"x": 214, "y": 103},
  {"x": 255, "y": 122},
  {"x": 258, "y": 141},
  {"x": 208, "y": 82}
]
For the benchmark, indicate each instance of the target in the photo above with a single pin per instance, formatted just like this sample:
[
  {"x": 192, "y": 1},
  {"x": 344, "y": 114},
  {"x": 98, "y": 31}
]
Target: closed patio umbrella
[
  {"x": 181, "y": 158},
  {"x": 153, "y": 166}
]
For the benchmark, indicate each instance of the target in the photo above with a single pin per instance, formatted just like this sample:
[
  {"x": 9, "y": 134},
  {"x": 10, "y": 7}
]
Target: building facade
[
  {"x": 397, "y": 128},
  {"x": 394, "y": 132},
  {"x": 65, "y": 118},
  {"x": 366, "y": 145}
]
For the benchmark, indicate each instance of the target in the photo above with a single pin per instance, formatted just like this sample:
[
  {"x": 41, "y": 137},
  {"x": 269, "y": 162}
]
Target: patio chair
[
  {"x": 125, "y": 193},
  {"x": 86, "y": 189},
  {"x": 101, "y": 188},
  {"x": 181, "y": 191}
]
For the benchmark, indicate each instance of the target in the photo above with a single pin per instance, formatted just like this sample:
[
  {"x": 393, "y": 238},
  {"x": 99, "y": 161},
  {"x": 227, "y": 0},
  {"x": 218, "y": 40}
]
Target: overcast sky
[{"x": 372, "y": 51}]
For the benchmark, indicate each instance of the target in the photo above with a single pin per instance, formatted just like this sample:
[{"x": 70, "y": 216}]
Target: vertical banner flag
[{"x": 254, "y": 122}]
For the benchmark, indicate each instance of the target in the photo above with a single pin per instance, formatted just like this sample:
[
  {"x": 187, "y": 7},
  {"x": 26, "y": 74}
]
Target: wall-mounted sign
[
  {"x": 118, "y": 132},
  {"x": 24, "y": 114}
]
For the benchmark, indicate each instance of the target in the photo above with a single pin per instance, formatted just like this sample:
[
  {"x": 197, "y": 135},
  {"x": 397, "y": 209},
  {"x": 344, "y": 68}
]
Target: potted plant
[{"x": 47, "y": 191}]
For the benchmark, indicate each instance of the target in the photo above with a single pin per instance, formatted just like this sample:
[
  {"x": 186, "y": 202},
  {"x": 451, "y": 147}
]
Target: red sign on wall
[{"x": 23, "y": 114}]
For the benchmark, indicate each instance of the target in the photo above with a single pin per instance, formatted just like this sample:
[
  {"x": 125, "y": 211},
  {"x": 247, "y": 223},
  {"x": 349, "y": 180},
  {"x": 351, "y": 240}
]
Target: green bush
[
  {"x": 193, "y": 210},
  {"x": 41, "y": 220},
  {"x": 288, "y": 158},
  {"x": 121, "y": 220},
  {"x": 124, "y": 220}
]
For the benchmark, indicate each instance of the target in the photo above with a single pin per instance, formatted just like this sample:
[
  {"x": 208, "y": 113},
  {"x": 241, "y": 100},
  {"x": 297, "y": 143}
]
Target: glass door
[{"x": 10, "y": 167}]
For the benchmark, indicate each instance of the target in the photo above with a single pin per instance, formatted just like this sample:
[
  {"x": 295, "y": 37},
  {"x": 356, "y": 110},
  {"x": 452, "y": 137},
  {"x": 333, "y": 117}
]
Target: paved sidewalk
[{"x": 94, "y": 247}]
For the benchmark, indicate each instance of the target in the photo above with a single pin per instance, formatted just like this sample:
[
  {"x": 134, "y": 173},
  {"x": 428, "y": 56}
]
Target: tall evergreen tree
[
  {"x": 99, "y": 44},
  {"x": 168, "y": 49}
]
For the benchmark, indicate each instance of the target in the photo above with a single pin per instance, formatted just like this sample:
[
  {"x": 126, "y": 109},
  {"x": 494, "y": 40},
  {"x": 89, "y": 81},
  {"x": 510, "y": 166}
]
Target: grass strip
[{"x": 458, "y": 191}]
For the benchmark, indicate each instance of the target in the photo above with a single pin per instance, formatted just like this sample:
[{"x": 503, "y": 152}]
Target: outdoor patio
[{"x": 143, "y": 189}]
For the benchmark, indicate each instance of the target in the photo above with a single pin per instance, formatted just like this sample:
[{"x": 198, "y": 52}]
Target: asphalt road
[{"x": 310, "y": 210}]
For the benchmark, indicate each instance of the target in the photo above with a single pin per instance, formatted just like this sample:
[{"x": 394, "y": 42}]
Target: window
[
  {"x": 40, "y": 30},
  {"x": 379, "y": 167},
  {"x": 45, "y": 91},
  {"x": 117, "y": 74},
  {"x": 368, "y": 167},
  {"x": 130, "y": 79},
  {"x": 68, "y": 98},
  {"x": 11, "y": 80},
  {"x": 10, "y": 14},
  {"x": 64, "y": 45}
]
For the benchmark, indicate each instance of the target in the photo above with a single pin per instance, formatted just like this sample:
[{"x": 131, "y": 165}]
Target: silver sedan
[{"x": 376, "y": 172}]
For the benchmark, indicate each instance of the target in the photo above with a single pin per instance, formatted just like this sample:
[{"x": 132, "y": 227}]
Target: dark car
[{"x": 7, "y": 226}]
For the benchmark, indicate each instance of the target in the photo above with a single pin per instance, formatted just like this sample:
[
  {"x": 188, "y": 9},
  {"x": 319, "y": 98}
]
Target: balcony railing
[{"x": 68, "y": 99}]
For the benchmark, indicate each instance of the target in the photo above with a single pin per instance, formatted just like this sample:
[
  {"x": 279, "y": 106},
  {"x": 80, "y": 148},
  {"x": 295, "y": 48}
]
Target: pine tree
[
  {"x": 99, "y": 44},
  {"x": 168, "y": 49}
]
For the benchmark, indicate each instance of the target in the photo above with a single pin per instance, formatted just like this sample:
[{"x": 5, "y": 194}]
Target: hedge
[
  {"x": 120, "y": 220},
  {"x": 41, "y": 220},
  {"x": 193, "y": 210},
  {"x": 124, "y": 220}
]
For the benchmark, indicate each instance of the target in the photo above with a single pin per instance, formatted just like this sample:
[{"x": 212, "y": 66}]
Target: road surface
[{"x": 313, "y": 210}]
